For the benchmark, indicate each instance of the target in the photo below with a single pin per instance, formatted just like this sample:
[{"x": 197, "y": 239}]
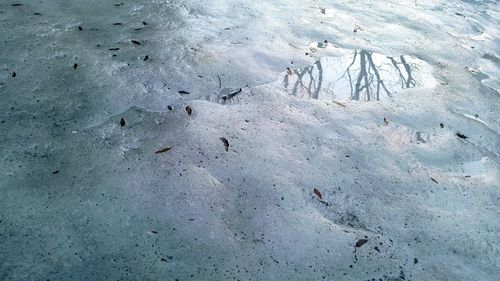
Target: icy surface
[{"x": 325, "y": 140}]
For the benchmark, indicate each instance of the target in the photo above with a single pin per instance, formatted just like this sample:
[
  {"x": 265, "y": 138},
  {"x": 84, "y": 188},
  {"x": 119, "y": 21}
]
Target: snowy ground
[{"x": 387, "y": 110}]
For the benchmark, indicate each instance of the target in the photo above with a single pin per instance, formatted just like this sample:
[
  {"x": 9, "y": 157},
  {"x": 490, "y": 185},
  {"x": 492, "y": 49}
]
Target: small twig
[
  {"x": 231, "y": 95},
  {"x": 339, "y": 103},
  {"x": 220, "y": 82}
]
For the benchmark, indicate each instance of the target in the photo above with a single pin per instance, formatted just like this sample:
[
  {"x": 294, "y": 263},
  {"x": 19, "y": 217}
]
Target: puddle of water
[{"x": 362, "y": 75}]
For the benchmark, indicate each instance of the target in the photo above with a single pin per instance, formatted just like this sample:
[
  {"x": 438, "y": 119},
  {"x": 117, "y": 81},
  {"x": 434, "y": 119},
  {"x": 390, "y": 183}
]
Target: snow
[{"x": 413, "y": 169}]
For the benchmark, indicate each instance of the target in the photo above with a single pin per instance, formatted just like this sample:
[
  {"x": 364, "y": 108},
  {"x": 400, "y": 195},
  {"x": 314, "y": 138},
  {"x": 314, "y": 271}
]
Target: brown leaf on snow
[{"x": 318, "y": 194}]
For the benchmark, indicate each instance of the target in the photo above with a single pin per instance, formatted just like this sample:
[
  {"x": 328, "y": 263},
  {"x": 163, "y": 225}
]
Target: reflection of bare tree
[
  {"x": 406, "y": 81},
  {"x": 364, "y": 76},
  {"x": 368, "y": 81},
  {"x": 369, "y": 84},
  {"x": 313, "y": 87}
]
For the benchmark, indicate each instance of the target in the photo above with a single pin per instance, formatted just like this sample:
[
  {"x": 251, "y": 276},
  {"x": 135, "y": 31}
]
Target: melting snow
[{"x": 249, "y": 140}]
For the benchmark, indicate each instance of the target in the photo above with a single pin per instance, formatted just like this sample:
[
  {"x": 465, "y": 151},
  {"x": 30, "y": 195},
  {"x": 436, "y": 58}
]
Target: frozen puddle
[{"x": 362, "y": 75}]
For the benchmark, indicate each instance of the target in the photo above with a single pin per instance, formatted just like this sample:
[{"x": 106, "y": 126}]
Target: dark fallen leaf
[
  {"x": 462, "y": 136},
  {"x": 183, "y": 92},
  {"x": 361, "y": 242},
  {"x": 434, "y": 180},
  {"x": 318, "y": 193},
  {"x": 225, "y": 142},
  {"x": 122, "y": 122},
  {"x": 189, "y": 110},
  {"x": 135, "y": 42},
  {"x": 163, "y": 150}
]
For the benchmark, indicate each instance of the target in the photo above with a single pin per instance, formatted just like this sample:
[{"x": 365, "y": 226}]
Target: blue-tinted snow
[{"x": 397, "y": 130}]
